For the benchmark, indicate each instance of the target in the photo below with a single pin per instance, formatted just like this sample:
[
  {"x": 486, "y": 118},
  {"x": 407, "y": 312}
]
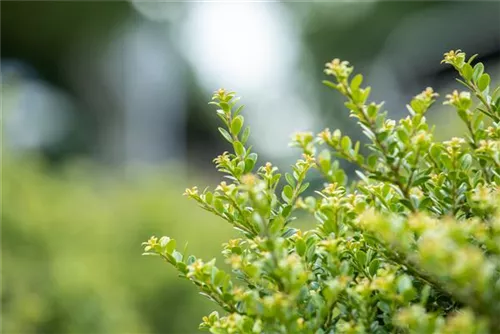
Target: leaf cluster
[{"x": 412, "y": 245}]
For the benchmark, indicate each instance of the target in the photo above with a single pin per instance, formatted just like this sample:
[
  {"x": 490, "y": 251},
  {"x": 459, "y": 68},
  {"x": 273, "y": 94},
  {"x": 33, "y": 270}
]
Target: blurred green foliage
[{"x": 71, "y": 250}]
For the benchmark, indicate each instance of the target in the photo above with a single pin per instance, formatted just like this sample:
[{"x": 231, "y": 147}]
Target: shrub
[
  {"x": 67, "y": 233},
  {"x": 413, "y": 245}
]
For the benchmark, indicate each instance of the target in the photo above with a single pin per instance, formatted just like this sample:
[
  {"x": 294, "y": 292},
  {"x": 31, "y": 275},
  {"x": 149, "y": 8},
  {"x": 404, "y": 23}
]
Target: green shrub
[
  {"x": 412, "y": 246},
  {"x": 68, "y": 256}
]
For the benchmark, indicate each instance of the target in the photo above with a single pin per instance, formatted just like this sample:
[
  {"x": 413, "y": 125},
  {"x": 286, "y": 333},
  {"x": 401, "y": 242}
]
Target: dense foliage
[{"x": 412, "y": 246}]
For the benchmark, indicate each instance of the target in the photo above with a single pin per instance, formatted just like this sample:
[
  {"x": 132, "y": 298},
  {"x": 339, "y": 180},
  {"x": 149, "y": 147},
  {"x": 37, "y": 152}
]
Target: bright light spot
[
  {"x": 252, "y": 48},
  {"x": 239, "y": 44}
]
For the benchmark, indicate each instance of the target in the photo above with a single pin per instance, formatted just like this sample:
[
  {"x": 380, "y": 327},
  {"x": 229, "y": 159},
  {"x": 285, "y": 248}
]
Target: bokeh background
[{"x": 105, "y": 121}]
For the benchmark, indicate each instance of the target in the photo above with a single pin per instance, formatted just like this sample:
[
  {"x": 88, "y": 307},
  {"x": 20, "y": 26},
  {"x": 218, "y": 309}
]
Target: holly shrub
[{"x": 412, "y": 245}]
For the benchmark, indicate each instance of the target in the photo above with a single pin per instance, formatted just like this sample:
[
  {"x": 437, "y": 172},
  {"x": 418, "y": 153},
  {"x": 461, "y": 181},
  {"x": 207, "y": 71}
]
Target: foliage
[
  {"x": 412, "y": 246},
  {"x": 67, "y": 257}
]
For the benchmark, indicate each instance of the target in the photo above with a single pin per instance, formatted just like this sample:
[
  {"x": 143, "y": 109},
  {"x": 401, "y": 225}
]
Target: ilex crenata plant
[{"x": 411, "y": 246}]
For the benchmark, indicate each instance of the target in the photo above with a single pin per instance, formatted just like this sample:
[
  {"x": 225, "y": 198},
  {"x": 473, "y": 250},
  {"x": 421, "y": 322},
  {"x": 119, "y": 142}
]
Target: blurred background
[{"x": 105, "y": 122}]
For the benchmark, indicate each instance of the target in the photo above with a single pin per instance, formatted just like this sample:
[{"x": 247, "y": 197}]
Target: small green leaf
[
  {"x": 404, "y": 283},
  {"x": 420, "y": 180},
  {"x": 384, "y": 306},
  {"x": 218, "y": 206},
  {"x": 218, "y": 278},
  {"x": 289, "y": 232},
  {"x": 478, "y": 71},
  {"x": 300, "y": 246},
  {"x": 483, "y": 82},
  {"x": 366, "y": 94},
  {"x": 236, "y": 125},
  {"x": 288, "y": 191},
  {"x": 424, "y": 295},
  {"x": 249, "y": 165},
  {"x": 303, "y": 187},
  {"x": 477, "y": 121},
  {"x": 406, "y": 203},
  {"x": 227, "y": 284},
  {"x": 361, "y": 257},
  {"x": 224, "y": 106},
  {"x": 329, "y": 84},
  {"x": 324, "y": 159},
  {"x": 463, "y": 115},
  {"x": 346, "y": 143},
  {"x": 238, "y": 111},
  {"x": 177, "y": 255},
  {"x": 240, "y": 168},
  {"x": 289, "y": 178},
  {"x": 435, "y": 152},
  {"x": 356, "y": 82},
  {"x": 472, "y": 58},
  {"x": 405, "y": 288},
  {"x": 418, "y": 106},
  {"x": 239, "y": 149},
  {"x": 356, "y": 148},
  {"x": 191, "y": 259},
  {"x": 467, "y": 71},
  {"x": 403, "y": 136},
  {"x": 373, "y": 268},
  {"x": 171, "y": 258},
  {"x": 164, "y": 241},
  {"x": 286, "y": 211},
  {"x": 208, "y": 197},
  {"x": 276, "y": 225},
  {"x": 225, "y": 134},
  {"x": 497, "y": 103},
  {"x": 425, "y": 203},
  {"x": 350, "y": 106},
  {"x": 466, "y": 161},
  {"x": 182, "y": 267},
  {"x": 251, "y": 270},
  {"x": 372, "y": 161},
  {"x": 245, "y": 135},
  {"x": 171, "y": 246},
  {"x": 446, "y": 160},
  {"x": 340, "y": 177},
  {"x": 372, "y": 110},
  {"x": 253, "y": 157}
]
